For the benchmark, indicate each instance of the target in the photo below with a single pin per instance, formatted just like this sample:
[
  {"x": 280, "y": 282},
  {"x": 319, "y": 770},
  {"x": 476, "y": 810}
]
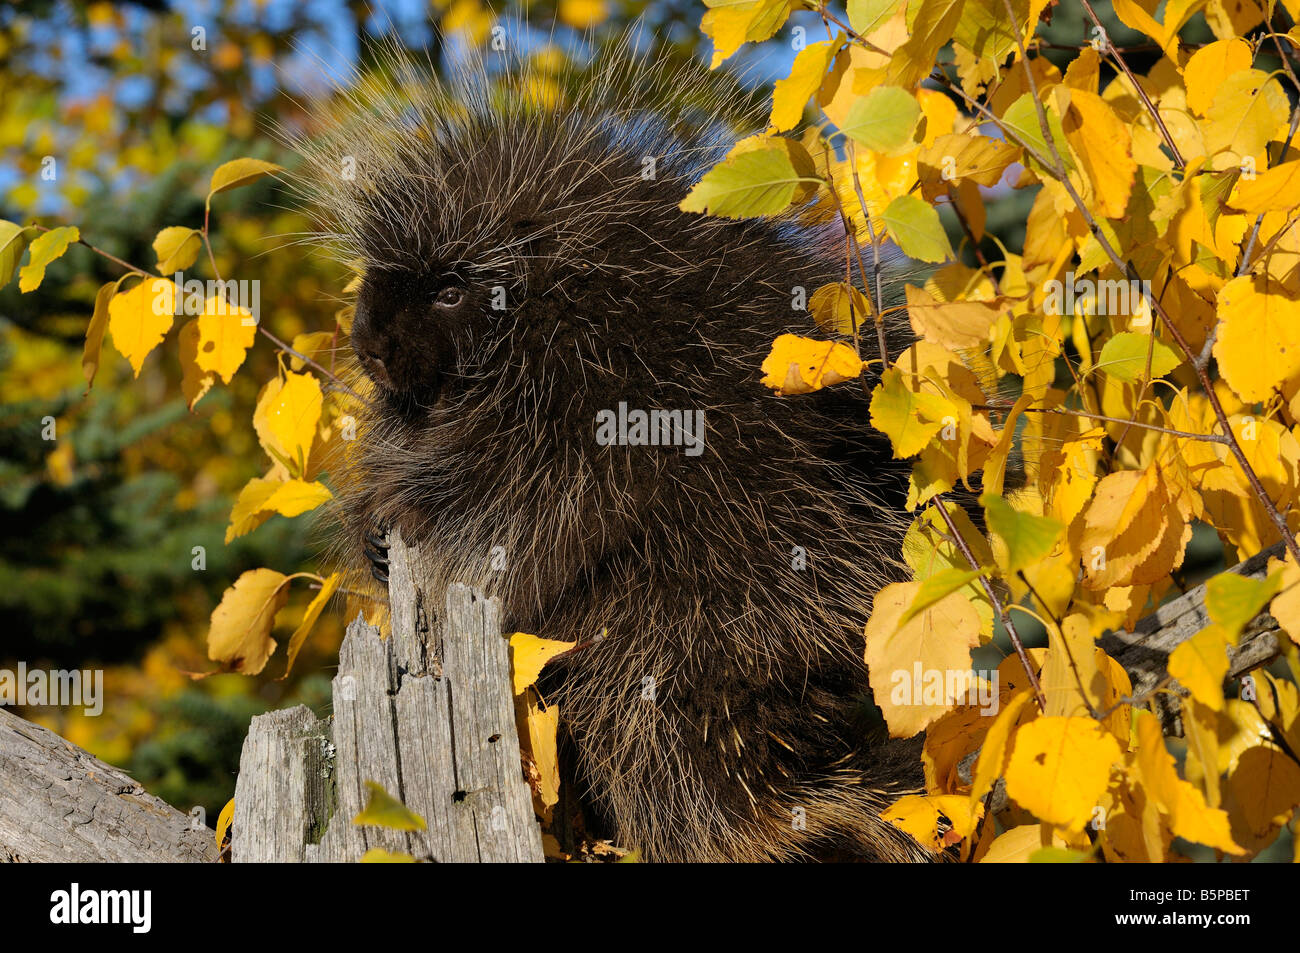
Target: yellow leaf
[
  {"x": 1140, "y": 15},
  {"x": 1247, "y": 109},
  {"x": 529, "y": 655},
  {"x": 921, "y": 816},
  {"x": 1276, "y": 190},
  {"x": 919, "y": 670},
  {"x": 1114, "y": 684},
  {"x": 177, "y": 247},
  {"x": 1134, "y": 534},
  {"x": 43, "y": 250},
  {"x": 910, "y": 419},
  {"x": 95, "y": 332},
  {"x": 958, "y": 157},
  {"x": 239, "y": 636},
  {"x": 384, "y": 810},
  {"x": 223, "y": 821},
  {"x": 954, "y": 737},
  {"x": 790, "y": 95},
  {"x": 237, "y": 172},
  {"x": 1201, "y": 663},
  {"x": 287, "y": 412},
  {"x": 1253, "y": 309},
  {"x": 995, "y": 467},
  {"x": 13, "y": 242},
  {"x": 1266, "y": 787},
  {"x": 294, "y": 497},
  {"x": 1188, "y": 814},
  {"x": 194, "y": 382},
  {"x": 140, "y": 318},
  {"x": 1017, "y": 845},
  {"x": 314, "y": 609},
  {"x": 1286, "y": 604},
  {"x": 836, "y": 308},
  {"x": 311, "y": 345},
  {"x": 226, "y": 332},
  {"x": 249, "y": 511},
  {"x": 799, "y": 365},
  {"x": 1101, "y": 141},
  {"x": 1210, "y": 66},
  {"x": 730, "y": 24},
  {"x": 1201, "y": 730},
  {"x": 992, "y": 761},
  {"x": 1059, "y": 769},
  {"x": 931, "y": 24},
  {"x": 540, "y": 734},
  {"x": 1071, "y": 681},
  {"x": 956, "y": 325}
]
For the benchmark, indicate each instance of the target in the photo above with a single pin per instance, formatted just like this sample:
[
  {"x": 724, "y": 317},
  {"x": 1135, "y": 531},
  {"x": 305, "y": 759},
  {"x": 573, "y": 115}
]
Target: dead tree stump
[{"x": 427, "y": 713}]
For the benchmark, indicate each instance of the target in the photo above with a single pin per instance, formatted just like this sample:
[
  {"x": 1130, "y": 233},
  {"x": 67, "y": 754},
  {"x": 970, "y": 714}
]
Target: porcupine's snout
[{"x": 398, "y": 338}]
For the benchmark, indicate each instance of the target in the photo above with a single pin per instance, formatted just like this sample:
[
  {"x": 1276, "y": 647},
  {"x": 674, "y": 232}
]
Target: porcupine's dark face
[{"x": 404, "y": 333}]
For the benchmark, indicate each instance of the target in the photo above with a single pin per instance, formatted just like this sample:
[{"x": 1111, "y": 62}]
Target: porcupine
[{"x": 526, "y": 267}]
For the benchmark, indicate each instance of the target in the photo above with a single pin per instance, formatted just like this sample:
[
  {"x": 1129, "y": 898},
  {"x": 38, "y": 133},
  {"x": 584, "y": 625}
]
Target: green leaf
[
  {"x": 1233, "y": 600},
  {"x": 1124, "y": 356},
  {"x": 1057, "y": 855},
  {"x": 758, "y": 182},
  {"x": 384, "y": 810},
  {"x": 897, "y": 412},
  {"x": 915, "y": 226},
  {"x": 942, "y": 583},
  {"x": 237, "y": 172},
  {"x": 1028, "y": 538},
  {"x": 377, "y": 855},
  {"x": 44, "y": 250},
  {"x": 866, "y": 15},
  {"x": 884, "y": 120},
  {"x": 1021, "y": 120}
]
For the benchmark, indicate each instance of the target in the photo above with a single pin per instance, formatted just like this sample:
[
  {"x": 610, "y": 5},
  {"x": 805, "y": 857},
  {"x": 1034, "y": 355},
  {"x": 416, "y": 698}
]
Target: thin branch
[
  {"x": 875, "y": 255},
  {"x": 1012, "y": 634}
]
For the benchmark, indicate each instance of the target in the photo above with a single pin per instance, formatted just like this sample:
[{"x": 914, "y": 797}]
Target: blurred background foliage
[{"x": 138, "y": 102}]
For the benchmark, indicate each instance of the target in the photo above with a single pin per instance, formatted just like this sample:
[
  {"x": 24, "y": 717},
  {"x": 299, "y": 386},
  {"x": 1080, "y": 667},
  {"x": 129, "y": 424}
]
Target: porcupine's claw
[{"x": 376, "y": 550}]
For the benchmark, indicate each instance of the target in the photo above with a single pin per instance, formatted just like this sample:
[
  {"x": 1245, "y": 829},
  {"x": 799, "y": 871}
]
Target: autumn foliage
[{"x": 1137, "y": 356}]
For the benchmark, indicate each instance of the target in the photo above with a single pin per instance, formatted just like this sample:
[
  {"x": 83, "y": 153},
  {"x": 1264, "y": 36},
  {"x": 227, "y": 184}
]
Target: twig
[{"x": 1012, "y": 634}]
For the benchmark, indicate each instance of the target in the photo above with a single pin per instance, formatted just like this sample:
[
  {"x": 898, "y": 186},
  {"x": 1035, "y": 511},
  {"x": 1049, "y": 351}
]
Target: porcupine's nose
[
  {"x": 373, "y": 362},
  {"x": 372, "y": 347}
]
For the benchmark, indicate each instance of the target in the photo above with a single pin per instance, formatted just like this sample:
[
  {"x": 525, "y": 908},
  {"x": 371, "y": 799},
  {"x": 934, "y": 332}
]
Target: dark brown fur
[{"x": 716, "y": 717}]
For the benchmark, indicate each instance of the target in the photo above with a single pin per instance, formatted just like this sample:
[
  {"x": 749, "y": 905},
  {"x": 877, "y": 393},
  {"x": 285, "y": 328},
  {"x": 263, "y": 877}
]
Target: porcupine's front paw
[{"x": 376, "y": 550}]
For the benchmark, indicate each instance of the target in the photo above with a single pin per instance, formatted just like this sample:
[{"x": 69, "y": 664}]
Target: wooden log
[
  {"x": 427, "y": 714},
  {"x": 61, "y": 803},
  {"x": 1144, "y": 652}
]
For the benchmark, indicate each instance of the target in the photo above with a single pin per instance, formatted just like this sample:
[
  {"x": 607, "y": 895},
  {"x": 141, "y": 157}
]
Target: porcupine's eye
[{"x": 450, "y": 297}]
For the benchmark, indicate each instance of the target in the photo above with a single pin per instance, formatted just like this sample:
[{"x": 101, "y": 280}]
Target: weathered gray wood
[
  {"x": 1144, "y": 652},
  {"x": 61, "y": 803},
  {"x": 284, "y": 786},
  {"x": 428, "y": 714}
]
